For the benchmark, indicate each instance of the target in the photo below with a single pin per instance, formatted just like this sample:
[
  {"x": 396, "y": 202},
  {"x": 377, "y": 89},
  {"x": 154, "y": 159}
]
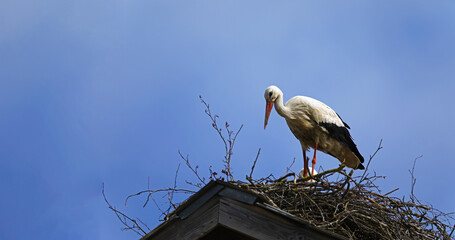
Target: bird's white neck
[{"x": 280, "y": 108}]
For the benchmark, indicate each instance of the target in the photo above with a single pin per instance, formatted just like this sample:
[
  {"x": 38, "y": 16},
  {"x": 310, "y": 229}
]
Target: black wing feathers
[
  {"x": 345, "y": 124},
  {"x": 342, "y": 135}
]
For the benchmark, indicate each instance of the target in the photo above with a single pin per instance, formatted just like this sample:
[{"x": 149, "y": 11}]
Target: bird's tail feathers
[{"x": 360, "y": 166}]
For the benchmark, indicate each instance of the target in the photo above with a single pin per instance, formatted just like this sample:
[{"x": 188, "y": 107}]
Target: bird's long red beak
[{"x": 268, "y": 109}]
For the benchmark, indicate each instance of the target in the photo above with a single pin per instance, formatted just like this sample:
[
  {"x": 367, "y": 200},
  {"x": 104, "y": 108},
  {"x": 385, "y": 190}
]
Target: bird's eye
[{"x": 270, "y": 94}]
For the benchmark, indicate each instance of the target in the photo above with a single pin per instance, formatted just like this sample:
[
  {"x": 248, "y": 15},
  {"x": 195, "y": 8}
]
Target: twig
[
  {"x": 171, "y": 194},
  {"x": 135, "y": 227},
  {"x": 254, "y": 163},
  {"x": 143, "y": 223},
  {"x": 228, "y": 142},
  {"x": 150, "y": 196},
  {"x": 413, "y": 179},
  {"x": 391, "y": 191},
  {"x": 150, "y": 192},
  {"x": 285, "y": 176},
  {"x": 338, "y": 169},
  {"x": 288, "y": 169},
  {"x": 451, "y": 232},
  {"x": 369, "y": 161},
  {"x": 194, "y": 170}
]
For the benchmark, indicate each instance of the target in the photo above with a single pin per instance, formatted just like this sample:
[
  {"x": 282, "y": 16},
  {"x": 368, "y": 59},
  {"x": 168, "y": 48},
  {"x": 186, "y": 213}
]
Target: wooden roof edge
[
  {"x": 234, "y": 192},
  {"x": 204, "y": 194}
]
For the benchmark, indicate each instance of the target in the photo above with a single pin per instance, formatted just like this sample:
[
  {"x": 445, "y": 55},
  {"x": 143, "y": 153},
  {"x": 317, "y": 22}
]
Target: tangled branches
[
  {"x": 354, "y": 208},
  {"x": 358, "y": 212}
]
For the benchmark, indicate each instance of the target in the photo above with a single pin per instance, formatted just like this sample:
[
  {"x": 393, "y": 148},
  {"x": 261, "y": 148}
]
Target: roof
[{"x": 222, "y": 210}]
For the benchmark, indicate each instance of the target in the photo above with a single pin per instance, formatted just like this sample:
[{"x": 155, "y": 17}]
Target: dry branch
[
  {"x": 254, "y": 163},
  {"x": 128, "y": 222},
  {"x": 228, "y": 141}
]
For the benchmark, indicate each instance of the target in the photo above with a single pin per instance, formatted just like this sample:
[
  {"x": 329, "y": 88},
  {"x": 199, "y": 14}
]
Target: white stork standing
[{"x": 315, "y": 125}]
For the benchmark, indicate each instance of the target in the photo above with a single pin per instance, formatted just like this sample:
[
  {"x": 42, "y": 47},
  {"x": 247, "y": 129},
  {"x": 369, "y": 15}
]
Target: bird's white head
[{"x": 270, "y": 95}]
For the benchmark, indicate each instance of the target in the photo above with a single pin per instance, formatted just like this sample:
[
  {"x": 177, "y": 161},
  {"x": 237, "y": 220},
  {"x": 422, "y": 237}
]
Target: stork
[{"x": 315, "y": 125}]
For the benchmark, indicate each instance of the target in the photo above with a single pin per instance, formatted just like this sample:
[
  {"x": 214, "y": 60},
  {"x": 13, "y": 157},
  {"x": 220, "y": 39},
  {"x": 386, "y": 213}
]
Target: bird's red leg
[
  {"x": 314, "y": 159},
  {"x": 305, "y": 164}
]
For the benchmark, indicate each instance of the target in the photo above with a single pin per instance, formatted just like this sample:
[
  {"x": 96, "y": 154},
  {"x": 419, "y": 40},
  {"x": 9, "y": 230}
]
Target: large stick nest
[{"x": 353, "y": 207}]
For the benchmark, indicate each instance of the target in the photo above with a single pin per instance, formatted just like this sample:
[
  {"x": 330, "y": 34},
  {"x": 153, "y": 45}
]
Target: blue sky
[{"x": 107, "y": 91}]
